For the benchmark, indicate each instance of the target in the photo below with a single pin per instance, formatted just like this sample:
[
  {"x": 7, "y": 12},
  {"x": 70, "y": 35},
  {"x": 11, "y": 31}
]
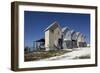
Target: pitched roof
[
  {"x": 72, "y": 32},
  {"x": 65, "y": 29},
  {"x": 53, "y": 26},
  {"x": 78, "y": 33}
]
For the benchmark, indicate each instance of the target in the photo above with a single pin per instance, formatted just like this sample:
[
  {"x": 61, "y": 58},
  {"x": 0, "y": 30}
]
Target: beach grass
[{"x": 37, "y": 55}]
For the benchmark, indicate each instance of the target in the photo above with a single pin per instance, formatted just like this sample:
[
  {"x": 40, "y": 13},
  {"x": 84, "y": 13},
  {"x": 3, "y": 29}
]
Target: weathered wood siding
[
  {"x": 66, "y": 34},
  {"x": 47, "y": 40},
  {"x": 51, "y": 38}
]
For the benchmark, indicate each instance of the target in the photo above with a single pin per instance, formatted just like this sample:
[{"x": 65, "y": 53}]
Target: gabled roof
[
  {"x": 53, "y": 26},
  {"x": 65, "y": 29},
  {"x": 78, "y": 33},
  {"x": 80, "y": 36},
  {"x": 72, "y": 32}
]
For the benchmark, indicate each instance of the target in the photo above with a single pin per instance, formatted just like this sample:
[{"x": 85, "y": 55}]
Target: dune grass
[{"x": 37, "y": 55}]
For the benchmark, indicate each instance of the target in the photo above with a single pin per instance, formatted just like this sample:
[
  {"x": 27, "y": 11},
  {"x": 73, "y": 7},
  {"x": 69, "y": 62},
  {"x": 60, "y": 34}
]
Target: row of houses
[{"x": 60, "y": 38}]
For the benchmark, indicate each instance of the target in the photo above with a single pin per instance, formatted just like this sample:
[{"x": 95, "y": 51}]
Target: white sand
[{"x": 75, "y": 54}]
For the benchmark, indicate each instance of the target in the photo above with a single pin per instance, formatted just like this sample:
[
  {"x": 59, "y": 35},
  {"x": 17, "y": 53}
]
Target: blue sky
[{"x": 36, "y": 22}]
